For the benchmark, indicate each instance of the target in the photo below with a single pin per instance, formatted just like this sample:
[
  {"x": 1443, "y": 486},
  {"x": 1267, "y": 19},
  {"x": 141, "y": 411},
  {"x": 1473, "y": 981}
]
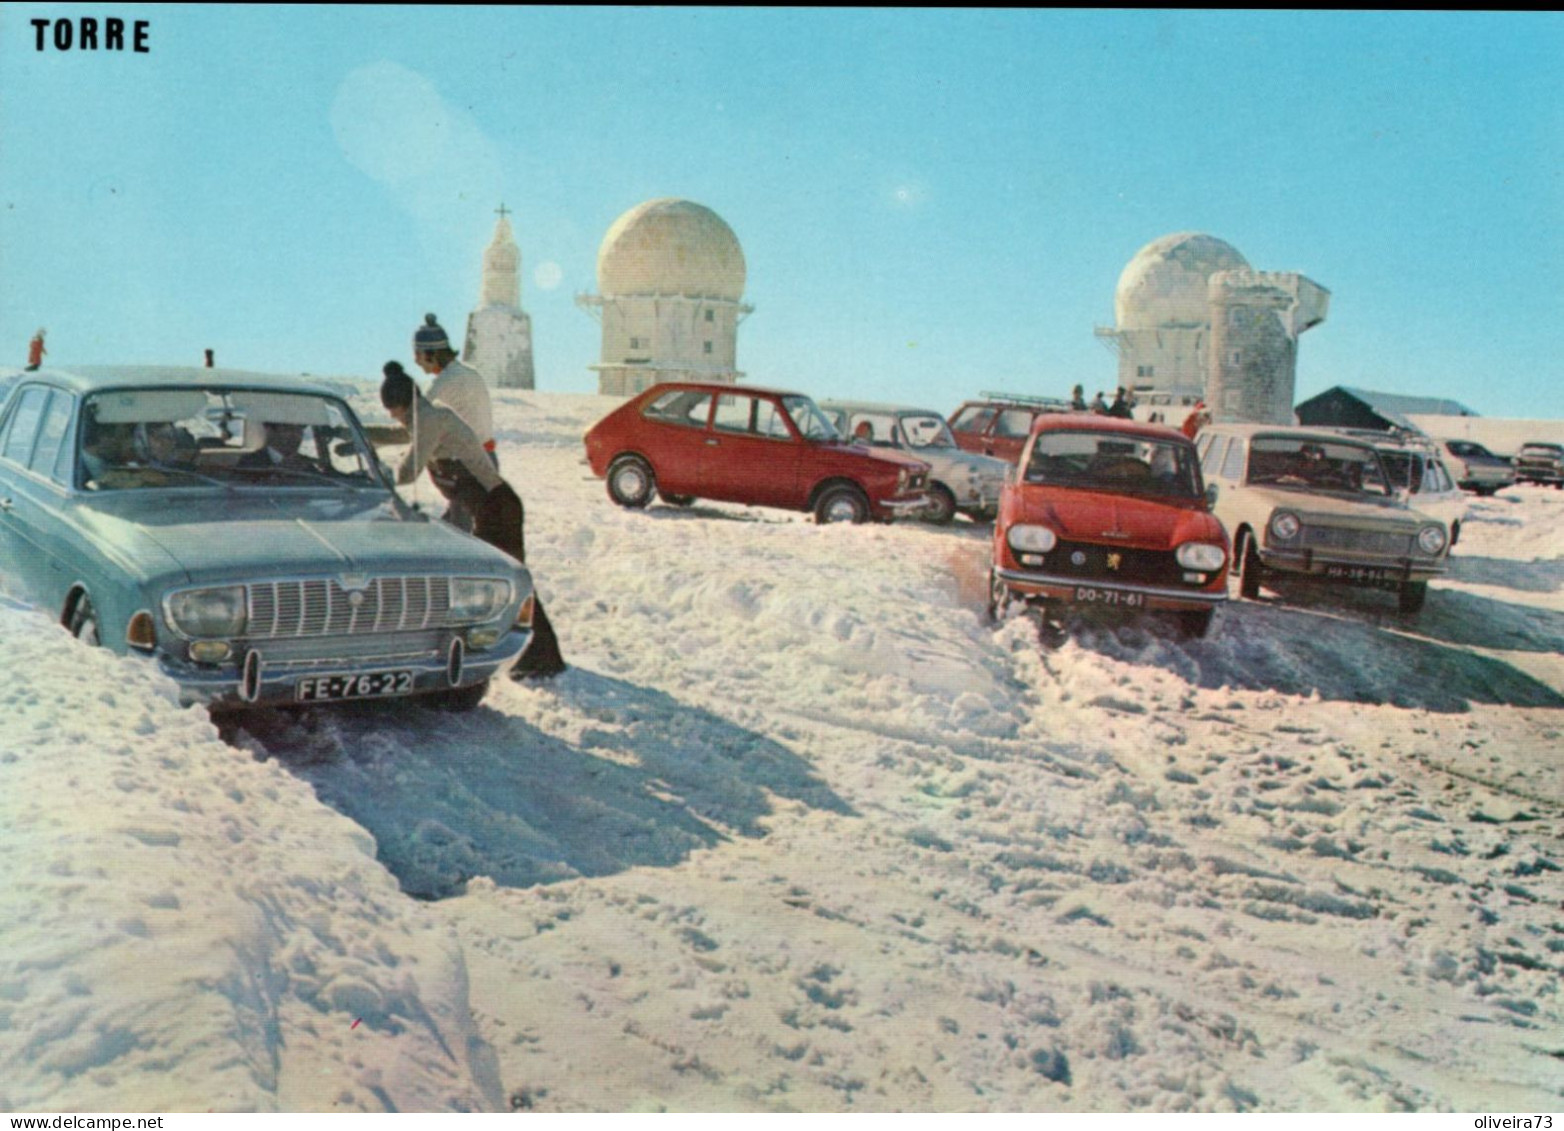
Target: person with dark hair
[
  {"x": 1077, "y": 399},
  {"x": 462, "y": 470},
  {"x": 459, "y": 387},
  {"x": 1120, "y": 406}
]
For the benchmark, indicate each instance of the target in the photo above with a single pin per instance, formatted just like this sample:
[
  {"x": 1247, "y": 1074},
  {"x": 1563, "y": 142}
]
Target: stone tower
[
  {"x": 1256, "y": 317},
  {"x": 670, "y": 276},
  {"x": 1195, "y": 322},
  {"x": 499, "y": 332}
]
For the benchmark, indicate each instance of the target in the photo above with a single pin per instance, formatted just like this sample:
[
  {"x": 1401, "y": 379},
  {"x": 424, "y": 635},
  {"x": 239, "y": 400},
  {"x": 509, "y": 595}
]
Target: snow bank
[{"x": 185, "y": 928}]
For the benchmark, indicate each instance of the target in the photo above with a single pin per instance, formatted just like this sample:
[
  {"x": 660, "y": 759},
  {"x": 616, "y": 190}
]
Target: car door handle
[{"x": 714, "y": 443}]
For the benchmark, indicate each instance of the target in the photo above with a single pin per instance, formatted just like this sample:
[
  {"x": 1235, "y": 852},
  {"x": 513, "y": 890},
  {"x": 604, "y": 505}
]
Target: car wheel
[
  {"x": 83, "y": 624},
  {"x": 841, "y": 503},
  {"x": 942, "y": 505},
  {"x": 630, "y": 481},
  {"x": 1412, "y": 597},
  {"x": 1248, "y": 559},
  {"x": 458, "y": 698},
  {"x": 675, "y": 500},
  {"x": 1194, "y": 625}
]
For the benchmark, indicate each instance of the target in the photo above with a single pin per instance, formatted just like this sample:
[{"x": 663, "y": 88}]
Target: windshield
[
  {"x": 809, "y": 420},
  {"x": 1110, "y": 461},
  {"x": 923, "y": 431},
  {"x": 140, "y": 438},
  {"x": 1310, "y": 464}
]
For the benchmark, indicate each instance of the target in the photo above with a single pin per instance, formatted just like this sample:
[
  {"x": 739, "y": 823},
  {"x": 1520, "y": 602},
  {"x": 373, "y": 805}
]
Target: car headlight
[
  {"x": 1032, "y": 539},
  {"x": 478, "y": 598},
  {"x": 1200, "y": 556},
  {"x": 208, "y": 612},
  {"x": 1285, "y": 526},
  {"x": 1431, "y": 539}
]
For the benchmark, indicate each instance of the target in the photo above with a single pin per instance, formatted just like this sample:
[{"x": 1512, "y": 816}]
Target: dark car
[
  {"x": 694, "y": 440},
  {"x": 998, "y": 424},
  {"x": 237, "y": 530},
  {"x": 1477, "y": 469},
  {"x": 1542, "y": 463}
]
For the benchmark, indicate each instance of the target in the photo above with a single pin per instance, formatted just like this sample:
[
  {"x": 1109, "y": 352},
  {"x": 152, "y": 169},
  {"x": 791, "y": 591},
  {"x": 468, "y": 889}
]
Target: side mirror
[{"x": 1212, "y": 490}]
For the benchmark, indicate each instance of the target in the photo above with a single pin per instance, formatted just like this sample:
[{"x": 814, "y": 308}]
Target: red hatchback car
[
  {"x": 689, "y": 440},
  {"x": 1109, "y": 513}
]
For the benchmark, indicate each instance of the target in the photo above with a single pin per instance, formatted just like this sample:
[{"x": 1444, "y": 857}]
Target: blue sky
[{"x": 930, "y": 202}]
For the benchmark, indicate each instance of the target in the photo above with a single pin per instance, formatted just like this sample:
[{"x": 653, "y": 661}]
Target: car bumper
[
  {"x": 1322, "y": 566},
  {"x": 1093, "y": 591},
  {"x": 279, "y": 683},
  {"x": 901, "y": 506},
  {"x": 1538, "y": 475}
]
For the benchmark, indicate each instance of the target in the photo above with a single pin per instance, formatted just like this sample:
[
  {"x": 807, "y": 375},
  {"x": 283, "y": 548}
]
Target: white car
[
  {"x": 1315, "y": 504},
  {"x": 960, "y": 482},
  {"x": 1415, "y": 466}
]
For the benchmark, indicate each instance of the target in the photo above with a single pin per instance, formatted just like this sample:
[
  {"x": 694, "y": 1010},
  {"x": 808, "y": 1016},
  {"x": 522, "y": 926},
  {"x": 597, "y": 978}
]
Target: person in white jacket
[
  {"x": 463, "y": 471},
  {"x": 460, "y": 388}
]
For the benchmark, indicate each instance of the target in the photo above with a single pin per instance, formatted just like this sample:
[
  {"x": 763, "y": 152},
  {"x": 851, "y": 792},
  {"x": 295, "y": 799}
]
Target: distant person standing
[
  {"x": 460, "y": 388},
  {"x": 35, "y": 351},
  {"x": 1099, "y": 405},
  {"x": 1120, "y": 406},
  {"x": 1198, "y": 418},
  {"x": 1077, "y": 399}
]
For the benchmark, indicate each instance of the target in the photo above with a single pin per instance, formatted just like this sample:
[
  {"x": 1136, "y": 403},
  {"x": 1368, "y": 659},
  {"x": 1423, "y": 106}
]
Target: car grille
[
  {"x": 1115, "y": 563},
  {"x": 1381, "y": 542},
  {"x": 322, "y": 607}
]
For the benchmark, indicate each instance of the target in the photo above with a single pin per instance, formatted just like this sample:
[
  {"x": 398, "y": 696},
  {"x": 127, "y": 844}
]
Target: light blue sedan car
[{"x": 237, "y": 530}]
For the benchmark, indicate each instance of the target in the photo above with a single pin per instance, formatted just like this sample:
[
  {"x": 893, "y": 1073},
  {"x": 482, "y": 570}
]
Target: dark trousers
[{"x": 500, "y": 520}]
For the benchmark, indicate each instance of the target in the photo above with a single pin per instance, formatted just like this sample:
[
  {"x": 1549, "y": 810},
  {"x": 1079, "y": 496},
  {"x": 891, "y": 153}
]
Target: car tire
[
  {"x": 676, "y": 500},
  {"x": 1249, "y": 569},
  {"x": 631, "y": 482},
  {"x": 843, "y": 502},
  {"x": 1194, "y": 624},
  {"x": 458, "y": 698},
  {"x": 83, "y": 624},
  {"x": 1411, "y": 598},
  {"x": 942, "y": 505}
]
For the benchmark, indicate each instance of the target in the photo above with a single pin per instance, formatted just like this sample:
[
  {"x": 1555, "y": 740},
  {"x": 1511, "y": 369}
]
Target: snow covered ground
[{"x": 799, "y": 831}]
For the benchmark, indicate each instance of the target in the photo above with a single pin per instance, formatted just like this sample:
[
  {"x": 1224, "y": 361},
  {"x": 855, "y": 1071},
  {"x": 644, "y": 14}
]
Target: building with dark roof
[{"x": 1342, "y": 407}]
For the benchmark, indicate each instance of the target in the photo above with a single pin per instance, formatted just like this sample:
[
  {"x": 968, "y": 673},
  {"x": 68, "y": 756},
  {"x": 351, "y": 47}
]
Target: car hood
[
  {"x": 1089, "y": 516},
  {"x": 232, "y": 535},
  {"x": 946, "y": 459},
  {"x": 882, "y": 455},
  {"x": 1387, "y": 511}
]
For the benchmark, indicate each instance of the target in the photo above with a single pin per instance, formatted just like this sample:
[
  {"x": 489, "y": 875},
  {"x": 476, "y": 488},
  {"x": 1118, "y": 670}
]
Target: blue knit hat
[{"x": 430, "y": 336}]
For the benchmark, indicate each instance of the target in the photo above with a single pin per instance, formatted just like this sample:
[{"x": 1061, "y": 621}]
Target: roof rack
[{"x": 1025, "y": 398}]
